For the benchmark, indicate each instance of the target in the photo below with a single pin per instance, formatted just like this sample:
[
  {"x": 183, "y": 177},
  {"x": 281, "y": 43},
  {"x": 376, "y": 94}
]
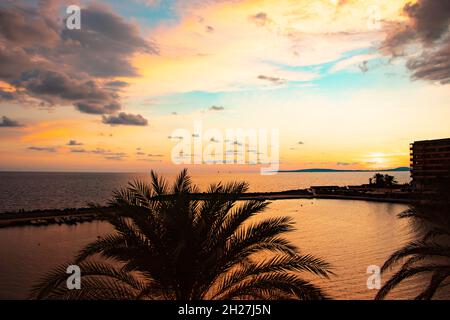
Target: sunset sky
[{"x": 348, "y": 84}]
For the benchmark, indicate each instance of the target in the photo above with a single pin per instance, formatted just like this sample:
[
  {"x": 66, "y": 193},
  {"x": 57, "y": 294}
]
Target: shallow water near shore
[
  {"x": 351, "y": 235},
  {"x": 53, "y": 190}
]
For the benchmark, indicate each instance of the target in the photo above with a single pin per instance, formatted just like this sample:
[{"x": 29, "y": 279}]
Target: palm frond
[
  {"x": 435, "y": 282},
  {"x": 183, "y": 183},
  {"x": 406, "y": 273},
  {"x": 420, "y": 248},
  {"x": 276, "y": 264},
  {"x": 168, "y": 245},
  {"x": 159, "y": 184},
  {"x": 291, "y": 286},
  {"x": 53, "y": 284},
  {"x": 111, "y": 241},
  {"x": 225, "y": 226}
]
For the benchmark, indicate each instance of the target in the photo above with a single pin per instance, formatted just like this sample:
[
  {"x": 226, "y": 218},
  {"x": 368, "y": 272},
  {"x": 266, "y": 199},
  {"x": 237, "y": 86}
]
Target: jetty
[{"x": 72, "y": 216}]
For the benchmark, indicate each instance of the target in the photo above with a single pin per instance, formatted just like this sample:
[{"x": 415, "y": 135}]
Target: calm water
[
  {"x": 71, "y": 190},
  {"x": 349, "y": 234}
]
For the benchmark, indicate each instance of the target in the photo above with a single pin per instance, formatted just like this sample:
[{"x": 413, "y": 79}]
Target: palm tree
[
  {"x": 168, "y": 245},
  {"x": 389, "y": 180},
  {"x": 430, "y": 254},
  {"x": 379, "y": 179}
]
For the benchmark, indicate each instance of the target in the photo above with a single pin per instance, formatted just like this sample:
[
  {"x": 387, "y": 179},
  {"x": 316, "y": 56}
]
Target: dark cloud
[
  {"x": 9, "y": 123},
  {"x": 6, "y": 95},
  {"x": 118, "y": 158},
  {"x": 260, "y": 19},
  {"x": 98, "y": 108},
  {"x": 78, "y": 150},
  {"x": 44, "y": 60},
  {"x": 107, "y": 154},
  {"x": 216, "y": 108},
  {"x": 274, "y": 80},
  {"x": 363, "y": 66},
  {"x": 104, "y": 44},
  {"x": 117, "y": 83},
  {"x": 433, "y": 66},
  {"x": 398, "y": 36},
  {"x": 427, "y": 29},
  {"x": 125, "y": 119},
  {"x": 44, "y": 149},
  {"x": 25, "y": 25},
  {"x": 74, "y": 143},
  {"x": 13, "y": 61},
  {"x": 54, "y": 85},
  {"x": 430, "y": 18},
  {"x": 298, "y": 143}
]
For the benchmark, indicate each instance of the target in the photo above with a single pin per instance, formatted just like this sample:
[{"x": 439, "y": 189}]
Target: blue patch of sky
[
  {"x": 380, "y": 74},
  {"x": 322, "y": 69},
  {"x": 334, "y": 84},
  {"x": 147, "y": 16}
]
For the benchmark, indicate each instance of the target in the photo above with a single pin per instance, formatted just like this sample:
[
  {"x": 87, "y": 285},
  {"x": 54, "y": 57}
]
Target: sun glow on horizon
[{"x": 339, "y": 98}]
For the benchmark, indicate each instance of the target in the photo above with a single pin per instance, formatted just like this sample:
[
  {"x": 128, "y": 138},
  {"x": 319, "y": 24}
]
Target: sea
[
  {"x": 57, "y": 190},
  {"x": 354, "y": 236}
]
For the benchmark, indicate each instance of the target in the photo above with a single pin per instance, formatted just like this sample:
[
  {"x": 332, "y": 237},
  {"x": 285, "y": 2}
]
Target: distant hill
[{"x": 346, "y": 170}]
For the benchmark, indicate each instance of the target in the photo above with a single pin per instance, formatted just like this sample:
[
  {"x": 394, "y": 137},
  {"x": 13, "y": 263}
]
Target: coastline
[
  {"x": 80, "y": 215},
  {"x": 52, "y": 216}
]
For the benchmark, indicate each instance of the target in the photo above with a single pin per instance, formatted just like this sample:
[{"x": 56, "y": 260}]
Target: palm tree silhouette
[
  {"x": 168, "y": 245},
  {"x": 430, "y": 254},
  {"x": 379, "y": 179},
  {"x": 389, "y": 180}
]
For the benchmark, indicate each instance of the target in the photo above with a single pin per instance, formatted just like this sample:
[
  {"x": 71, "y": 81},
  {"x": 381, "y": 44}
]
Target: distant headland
[{"x": 344, "y": 170}]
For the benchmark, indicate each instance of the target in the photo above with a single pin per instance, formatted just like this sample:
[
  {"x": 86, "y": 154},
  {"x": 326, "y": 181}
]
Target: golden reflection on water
[{"x": 351, "y": 235}]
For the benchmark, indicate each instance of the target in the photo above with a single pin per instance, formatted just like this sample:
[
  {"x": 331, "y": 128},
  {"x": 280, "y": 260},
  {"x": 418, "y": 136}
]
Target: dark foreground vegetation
[{"x": 180, "y": 248}]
